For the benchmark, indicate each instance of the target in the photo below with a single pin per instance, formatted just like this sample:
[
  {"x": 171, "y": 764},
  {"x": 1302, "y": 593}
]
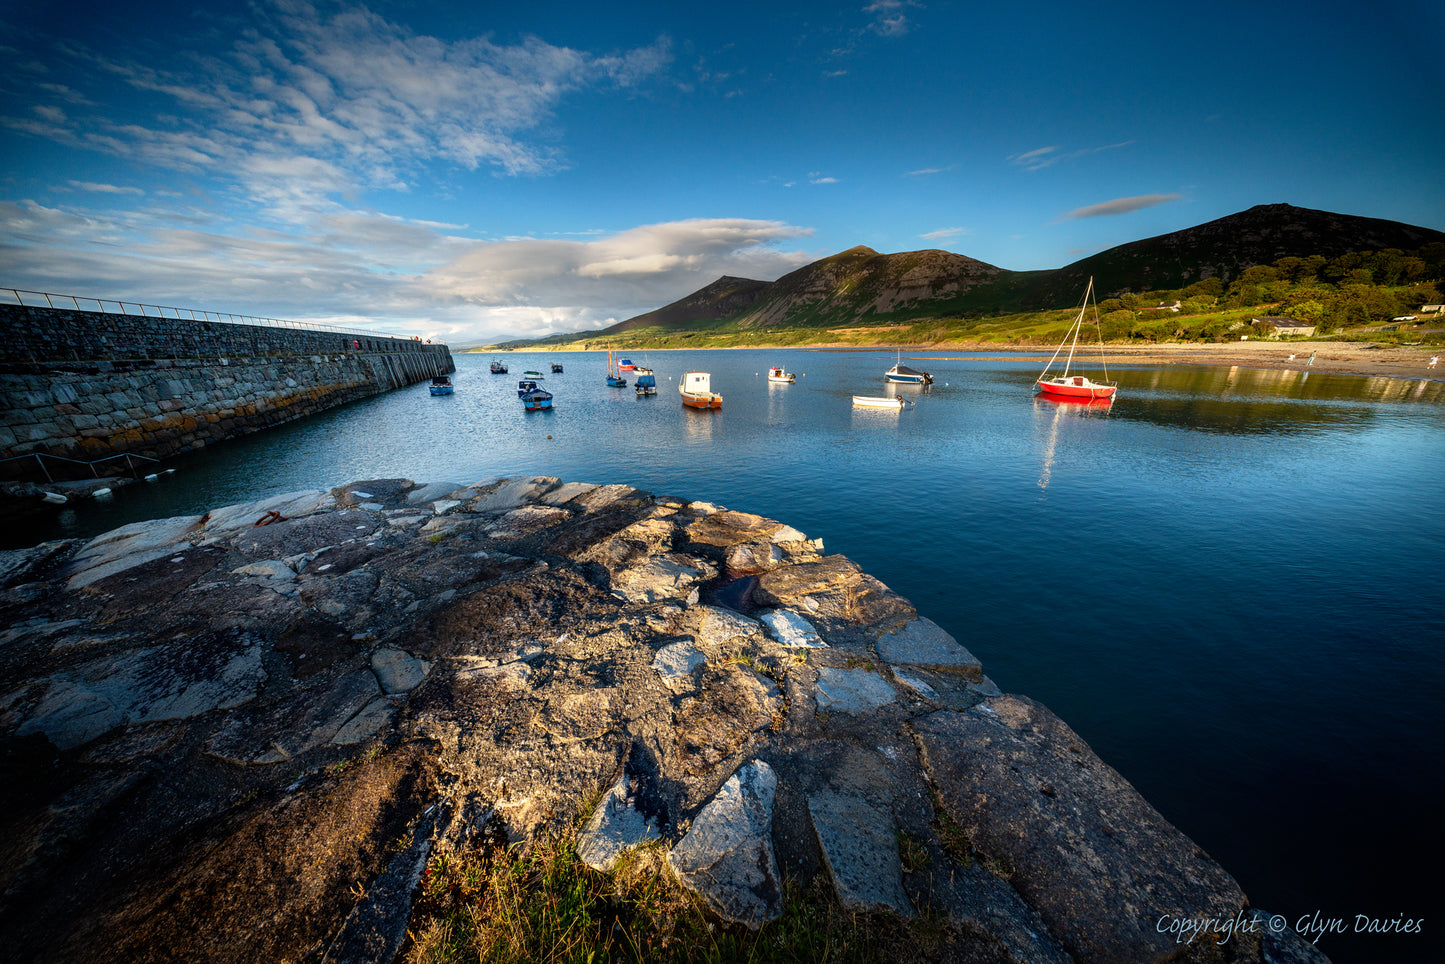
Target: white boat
[
  {"x": 784, "y": 377},
  {"x": 883, "y": 401},
  {"x": 905, "y": 375},
  {"x": 1077, "y": 386},
  {"x": 696, "y": 390}
]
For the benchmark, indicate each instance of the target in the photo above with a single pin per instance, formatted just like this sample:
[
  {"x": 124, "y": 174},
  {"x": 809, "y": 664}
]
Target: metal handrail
[
  {"x": 223, "y": 317},
  {"x": 40, "y": 458}
]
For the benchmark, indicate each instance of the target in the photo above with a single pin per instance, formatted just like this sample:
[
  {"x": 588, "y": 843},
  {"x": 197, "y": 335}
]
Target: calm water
[{"x": 1228, "y": 582}]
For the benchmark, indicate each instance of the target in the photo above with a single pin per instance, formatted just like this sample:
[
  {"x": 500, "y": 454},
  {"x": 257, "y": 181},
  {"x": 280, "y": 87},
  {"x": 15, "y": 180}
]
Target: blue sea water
[{"x": 1227, "y": 582}]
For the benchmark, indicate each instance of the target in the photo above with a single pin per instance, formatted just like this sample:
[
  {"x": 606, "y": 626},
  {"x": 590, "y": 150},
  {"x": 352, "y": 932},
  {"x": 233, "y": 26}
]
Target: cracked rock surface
[{"x": 238, "y": 736}]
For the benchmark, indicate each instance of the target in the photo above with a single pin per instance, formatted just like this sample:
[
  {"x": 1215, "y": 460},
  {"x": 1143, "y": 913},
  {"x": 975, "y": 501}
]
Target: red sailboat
[{"x": 1078, "y": 386}]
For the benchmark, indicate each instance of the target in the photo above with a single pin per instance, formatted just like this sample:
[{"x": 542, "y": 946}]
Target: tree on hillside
[{"x": 1204, "y": 288}]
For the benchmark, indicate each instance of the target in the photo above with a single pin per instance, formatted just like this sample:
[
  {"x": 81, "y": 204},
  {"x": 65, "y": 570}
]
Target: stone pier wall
[{"x": 86, "y": 385}]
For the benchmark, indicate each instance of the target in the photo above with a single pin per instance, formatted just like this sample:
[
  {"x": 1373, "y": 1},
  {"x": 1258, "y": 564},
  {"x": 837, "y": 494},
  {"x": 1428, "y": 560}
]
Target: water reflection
[{"x": 1056, "y": 409}]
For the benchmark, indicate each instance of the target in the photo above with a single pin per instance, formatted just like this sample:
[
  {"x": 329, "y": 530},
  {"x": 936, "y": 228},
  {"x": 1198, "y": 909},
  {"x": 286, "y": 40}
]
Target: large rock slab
[
  {"x": 833, "y": 587},
  {"x": 791, "y": 629},
  {"x": 230, "y": 519},
  {"x": 860, "y": 850},
  {"x": 675, "y": 663},
  {"x": 129, "y": 546},
  {"x": 925, "y": 644},
  {"x": 304, "y": 535},
  {"x": 508, "y": 494},
  {"x": 174, "y": 681},
  {"x": 660, "y": 579},
  {"x": 307, "y": 719},
  {"x": 729, "y": 528},
  {"x": 719, "y": 627},
  {"x": 727, "y": 854},
  {"x": 1076, "y": 840},
  {"x": 856, "y": 691}
]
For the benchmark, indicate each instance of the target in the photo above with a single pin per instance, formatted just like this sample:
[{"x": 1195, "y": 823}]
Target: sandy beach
[{"x": 1387, "y": 361}]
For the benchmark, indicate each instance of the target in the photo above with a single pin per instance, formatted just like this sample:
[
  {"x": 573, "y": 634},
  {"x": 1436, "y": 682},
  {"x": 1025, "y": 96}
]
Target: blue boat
[
  {"x": 441, "y": 385},
  {"x": 907, "y": 376},
  {"x": 526, "y": 385},
  {"x": 646, "y": 382},
  {"x": 613, "y": 378},
  {"x": 537, "y": 400}
]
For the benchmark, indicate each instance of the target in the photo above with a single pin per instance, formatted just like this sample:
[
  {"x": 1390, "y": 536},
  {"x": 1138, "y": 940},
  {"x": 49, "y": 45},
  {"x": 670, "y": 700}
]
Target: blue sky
[{"x": 477, "y": 170}]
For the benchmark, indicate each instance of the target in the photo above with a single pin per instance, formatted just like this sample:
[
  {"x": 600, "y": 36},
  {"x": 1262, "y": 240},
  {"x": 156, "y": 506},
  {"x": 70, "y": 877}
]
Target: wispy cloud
[
  {"x": 1043, "y": 157},
  {"x": 1123, "y": 205},
  {"x": 1036, "y": 159},
  {"x": 338, "y": 100},
  {"x": 889, "y": 20},
  {"x": 103, "y": 188},
  {"x": 823, "y": 180},
  {"x": 943, "y": 233},
  {"x": 924, "y": 170}
]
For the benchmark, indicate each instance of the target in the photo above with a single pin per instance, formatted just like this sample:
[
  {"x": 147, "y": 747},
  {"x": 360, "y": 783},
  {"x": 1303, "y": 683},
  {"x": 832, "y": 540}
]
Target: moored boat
[
  {"x": 441, "y": 385},
  {"x": 498, "y": 368},
  {"x": 531, "y": 374},
  {"x": 779, "y": 375},
  {"x": 1069, "y": 385},
  {"x": 646, "y": 382},
  {"x": 526, "y": 385},
  {"x": 880, "y": 401},
  {"x": 907, "y": 376},
  {"x": 537, "y": 400},
  {"x": 613, "y": 378},
  {"x": 556, "y": 369},
  {"x": 696, "y": 391},
  {"x": 625, "y": 365}
]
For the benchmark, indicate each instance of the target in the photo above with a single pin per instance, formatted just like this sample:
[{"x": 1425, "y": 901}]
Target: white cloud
[
  {"x": 924, "y": 170},
  {"x": 338, "y": 100},
  {"x": 888, "y": 17},
  {"x": 823, "y": 180},
  {"x": 1043, "y": 157},
  {"x": 383, "y": 272},
  {"x": 1123, "y": 205},
  {"x": 943, "y": 233},
  {"x": 1036, "y": 159},
  {"x": 103, "y": 188}
]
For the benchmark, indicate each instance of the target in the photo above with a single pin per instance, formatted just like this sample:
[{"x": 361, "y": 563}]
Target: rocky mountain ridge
[{"x": 863, "y": 287}]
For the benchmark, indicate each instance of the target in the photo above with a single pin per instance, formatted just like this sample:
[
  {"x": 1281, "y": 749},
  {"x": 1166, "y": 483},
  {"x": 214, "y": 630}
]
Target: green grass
[{"x": 544, "y": 904}]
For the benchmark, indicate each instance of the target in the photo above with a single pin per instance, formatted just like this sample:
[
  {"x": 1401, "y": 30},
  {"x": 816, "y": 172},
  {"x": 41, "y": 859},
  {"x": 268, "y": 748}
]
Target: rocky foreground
[{"x": 243, "y": 736}]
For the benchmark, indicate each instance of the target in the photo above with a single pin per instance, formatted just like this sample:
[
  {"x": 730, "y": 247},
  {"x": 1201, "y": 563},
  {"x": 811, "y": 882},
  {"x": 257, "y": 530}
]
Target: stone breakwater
[
  {"x": 243, "y": 735},
  {"x": 87, "y": 385}
]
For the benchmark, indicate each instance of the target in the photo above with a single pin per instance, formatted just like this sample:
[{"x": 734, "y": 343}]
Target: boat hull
[
  {"x": 441, "y": 389},
  {"x": 1076, "y": 386},
  {"x": 872, "y": 401},
  {"x": 616, "y": 382},
  {"x": 700, "y": 400},
  {"x": 537, "y": 401}
]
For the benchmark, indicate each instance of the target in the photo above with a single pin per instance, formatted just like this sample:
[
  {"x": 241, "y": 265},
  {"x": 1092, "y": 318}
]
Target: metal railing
[
  {"x": 40, "y": 458},
  {"x": 179, "y": 314}
]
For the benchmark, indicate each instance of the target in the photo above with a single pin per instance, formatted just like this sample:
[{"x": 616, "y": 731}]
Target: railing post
[{"x": 43, "y": 470}]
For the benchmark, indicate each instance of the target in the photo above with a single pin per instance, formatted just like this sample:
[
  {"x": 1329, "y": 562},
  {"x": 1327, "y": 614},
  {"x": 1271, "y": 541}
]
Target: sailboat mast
[{"x": 1078, "y": 323}]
